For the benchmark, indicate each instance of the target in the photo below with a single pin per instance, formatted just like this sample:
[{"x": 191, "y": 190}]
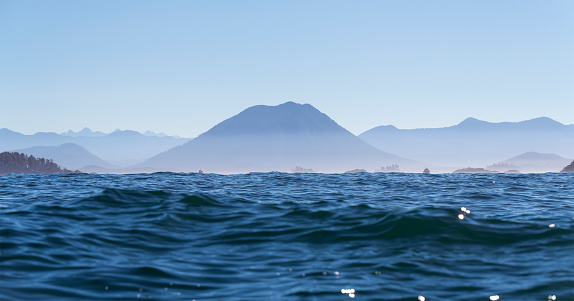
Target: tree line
[{"x": 18, "y": 163}]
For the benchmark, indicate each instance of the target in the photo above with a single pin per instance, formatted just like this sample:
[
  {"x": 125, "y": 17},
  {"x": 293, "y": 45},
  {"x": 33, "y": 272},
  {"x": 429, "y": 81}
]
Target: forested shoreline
[{"x": 19, "y": 163}]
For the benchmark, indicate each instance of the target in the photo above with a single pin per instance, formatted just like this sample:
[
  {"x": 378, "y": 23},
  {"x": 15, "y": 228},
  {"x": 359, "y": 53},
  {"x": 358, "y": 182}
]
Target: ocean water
[{"x": 278, "y": 236}]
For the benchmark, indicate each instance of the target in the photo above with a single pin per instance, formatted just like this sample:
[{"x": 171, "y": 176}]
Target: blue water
[{"x": 277, "y": 236}]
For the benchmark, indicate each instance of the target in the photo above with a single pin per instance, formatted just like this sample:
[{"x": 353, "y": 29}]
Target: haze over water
[{"x": 278, "y": 236}]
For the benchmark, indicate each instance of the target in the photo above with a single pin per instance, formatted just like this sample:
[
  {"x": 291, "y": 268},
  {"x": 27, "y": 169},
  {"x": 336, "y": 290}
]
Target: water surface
[{"x": 277, "y": 236}]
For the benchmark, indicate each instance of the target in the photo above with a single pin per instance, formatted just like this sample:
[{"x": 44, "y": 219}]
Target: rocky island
[{"x": 569, "y": 168}]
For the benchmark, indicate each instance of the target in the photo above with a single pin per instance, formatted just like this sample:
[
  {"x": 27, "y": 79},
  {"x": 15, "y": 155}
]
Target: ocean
[{"x": 281, "y": 236}]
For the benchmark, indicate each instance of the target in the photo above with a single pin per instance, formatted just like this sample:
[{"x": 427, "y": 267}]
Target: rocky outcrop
[{"x": 569, "y": 168}]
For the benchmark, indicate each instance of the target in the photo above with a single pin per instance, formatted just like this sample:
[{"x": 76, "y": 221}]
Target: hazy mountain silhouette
[
  {"x": 129, "y": 145},
  {"x": 276, "y": 138},
  {"x": 10, "y": 140},
  {"x": 85, "y": 132},
  {"x": 153, "y": 134},
  {"x": 538, "y": 162},
  {"x": 115, "y": 147},
  {"x": 474, "y": 142},
  {"x": 68, "y": 155}
]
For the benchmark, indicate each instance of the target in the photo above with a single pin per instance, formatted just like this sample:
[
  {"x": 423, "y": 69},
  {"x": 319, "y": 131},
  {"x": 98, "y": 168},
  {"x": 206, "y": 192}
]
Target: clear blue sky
[{"x": 181, "y": 67}]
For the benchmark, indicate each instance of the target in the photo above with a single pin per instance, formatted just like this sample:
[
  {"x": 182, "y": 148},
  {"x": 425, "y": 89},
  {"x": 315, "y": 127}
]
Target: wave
[{"x": 286, "y": 237}]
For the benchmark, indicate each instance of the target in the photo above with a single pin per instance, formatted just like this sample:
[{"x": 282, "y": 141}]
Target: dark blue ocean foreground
[{"x": 278, "y": 236}]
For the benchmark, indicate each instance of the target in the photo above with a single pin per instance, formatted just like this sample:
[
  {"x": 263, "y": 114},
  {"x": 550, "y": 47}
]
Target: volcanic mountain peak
[
  {"x": 286, "y": 118},
  {"x": 265, "y": 138}
]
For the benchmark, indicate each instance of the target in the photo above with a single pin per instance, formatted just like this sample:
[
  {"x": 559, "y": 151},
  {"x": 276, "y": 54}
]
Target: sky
[{"x": 181, "y": 67}]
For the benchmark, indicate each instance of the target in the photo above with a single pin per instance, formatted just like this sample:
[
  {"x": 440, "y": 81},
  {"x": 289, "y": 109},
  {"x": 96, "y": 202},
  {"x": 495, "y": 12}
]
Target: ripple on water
[{"x": 287, "y": 237}]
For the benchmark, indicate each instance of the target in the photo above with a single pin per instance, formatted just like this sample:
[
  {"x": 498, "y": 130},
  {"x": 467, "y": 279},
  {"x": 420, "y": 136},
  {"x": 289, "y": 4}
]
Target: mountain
[
  {"x": 474, "y": 142},
  {"x": 276, "y": 138},
  {"x": 86, "y": 132},
  {"x": 119, "y": 146},
  {"x": 68, "y": 155},
  {"x": 536, "y": 162}
]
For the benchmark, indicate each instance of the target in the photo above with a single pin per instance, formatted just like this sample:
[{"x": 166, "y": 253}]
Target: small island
[
  {"x": 569, "y": 168},
  {"x": 19, "y": 163}
]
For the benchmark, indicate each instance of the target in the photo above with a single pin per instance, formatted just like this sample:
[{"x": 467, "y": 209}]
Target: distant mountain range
[
  {"x": 119, "y": 147},
  {"x": 298, "y": 137},
  {"x": 85, "y": 132},
  {"x": 474, "y": 142},
  {"x": 277, "y": 138}
]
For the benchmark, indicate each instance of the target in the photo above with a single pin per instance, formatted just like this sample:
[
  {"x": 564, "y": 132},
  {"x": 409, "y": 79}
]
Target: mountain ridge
[
  {"x": 116, "y": 146},
  {"x": 469, "y": 122},
  {"x": 474, "y": 142},
  {"x": 471, "y": 142}
]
